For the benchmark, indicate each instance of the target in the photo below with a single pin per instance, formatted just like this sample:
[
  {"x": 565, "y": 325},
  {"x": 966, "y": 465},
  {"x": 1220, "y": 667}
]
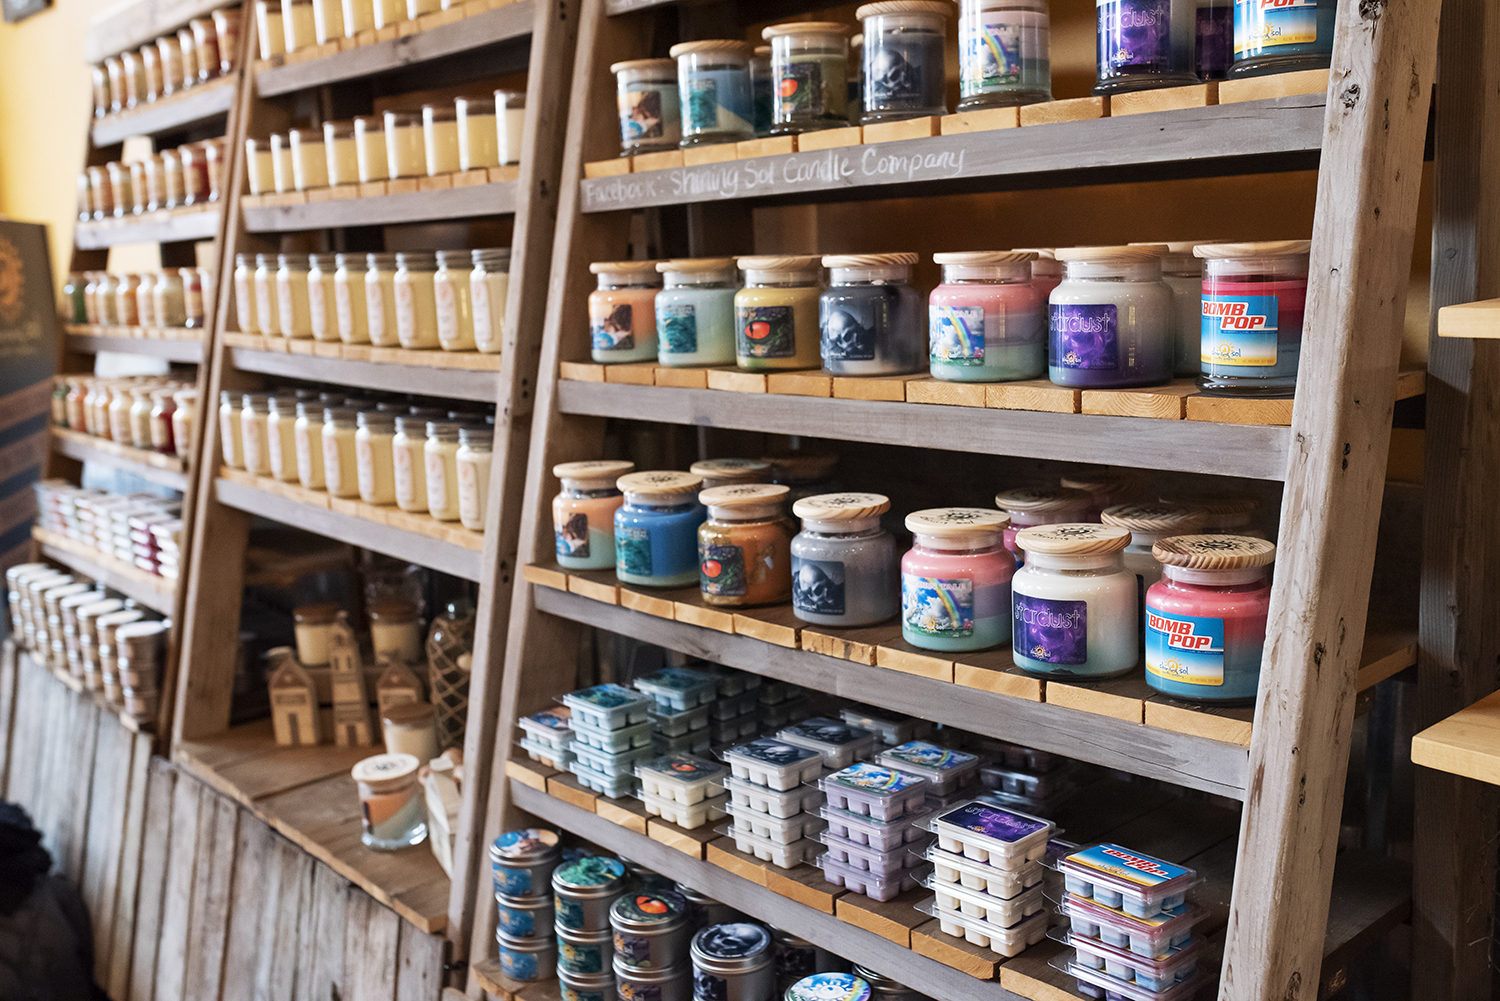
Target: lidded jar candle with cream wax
[
  {"x": 309, "y": 160},
  {"x": 322, "y": 296},
  {"x": 440, "y": 457},
  {"x": 440, "y": 138},
  {"x": 450, "y": 293},
  {"x": 776, "y": 313},
  {"x": 695, "y": 311},
  {"x": 474, "y": 460},
  {"x": 1028, "y": 506},
  {"x": 1222, "y": 515},
  {"x": 727, "y": 472},
  {"x": 1206, "y": 619},
  {"x": 1003, "y": 53},
  {"x": 340, "y": 468},
  {"x": 349, "y": 299},
  {"x": 298, "y": 25},
  {"x": 341, "y": 153},
  {"x": 744, "y": 548},
  {"x": 405, "y": 145},
  {"x": 308, "y": 440},
  {"x": 510, "y": 124},
  {"x": 1254, "y": 297},
  {"x": 369, "y": 148},
  {"x": 1110, "y": 320},
  {"x": 489, "y": 290},
  {"x": 380, "y": 300},
  {"x": 956, "y": 579},
  {"x": 650, "y": 105},
  {"x": 903, "y": 59},
  {"x": 478, "y": 143},
  {"x": 1074, "y": 603},
  {"x": 260, "y": 169},
  {"x": 255, "y": 408},
  {"x": 1147, "y": 525},
  {"x": 267, "y": 297},
  {"x": 292, "y": 307},
  {"x": 656, "y": 530},
  {"x": 1146, "y": 44},
  {"x": 313, "y": 624},
  {"x": 409, "y": 457},
  {"x": 987, "y": 321},
  {"x": 393, "y": 812},
  {"x": 416, "y": 300},
  {"x": 231, "y": 444},
  {"x": 713, "y": 80},
  {"x": 359, "y": 16},
  {"x": 844, "y": 568},
  {"x": 809, "y": 70},
  {"x": 374, "y": 460},
  {"x": 869, "y": 316},
  {"x": 583, "y": 512},
  {"x": 281, "y": 436},
  {"x": 622, "y": 311},
  {"x": 270, "y": 34}
]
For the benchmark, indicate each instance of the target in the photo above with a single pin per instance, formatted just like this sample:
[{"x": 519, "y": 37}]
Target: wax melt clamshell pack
[
  {"x": 945, "y": 770},
  {"x": 1152, "y": 937},
  {"x": 977, "y": 904},
  {"x": 551, "y": 727},
  {"x": 1014, "y": 782},
  {"x": 727, "y": 731},
  {"x": 1001, "y": 838},
  {"x": 623, "y": 738},
  {"x": 787, "y": 856},
  {"x": 624, "y": 763},
  {"x": 782, "y": 830},
  {"x": 762, "y": 799},
  {"x": 1117, "y": 877},
  {"x": 608, "y": 707},
  {"x": 877, "y": 792},
  {"x": 1099, "y": 984},
  {"x": 1008, "y": 942},
  {"x": 882, "y": 835},
  {"x": 1148, "y": 973},
  {"x": 547, "y": 754},
  {"x": 772, "y": 693},
  {"x": 679, "y": 724},
  {"x": 857, "y": 880},
  {"x": 682, "y": 778},
  {"x": 774, "y": 763},
  {"x": 733, "y": 706},
  {"x": 983, "y": 877},
  {"x": 613, "y": 786},
  {"x": 888, "y": 730},
  {"x": 679, "y": 688},
  {"x": 697, "y": 742},
  {"x": 691, "y": 817},
  {"x": 840, "y": 744},
  {"x": 887, "y": 864}
]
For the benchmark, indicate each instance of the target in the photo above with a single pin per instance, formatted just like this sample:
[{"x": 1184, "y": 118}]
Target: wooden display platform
[
  {"x": 156, "y": 593},
  {"x": 464, "y": 375},
  {"x": 175, "y": 111},
  {"x": 157, "y": 467},
  {"x": 426, "y": 199},
  {"x": 1466, "y": 743},
  {"x": 502, "y": 988},
  {"x": 196, "y": 222},
  {"x": 1470, "y": 319}
]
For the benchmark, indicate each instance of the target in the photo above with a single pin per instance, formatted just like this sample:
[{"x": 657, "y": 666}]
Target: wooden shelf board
[
  {"x": 415, "y": 538},
  {"x": 477, "y": 30},
  {"x": 156, "y": 593},
  {"x": 376, "y": 210},
  {"x": 30, "y": 663},
  {"x": 124, "y": 26},
  {"x": 1466, "y": 743},
  {"x": 307, "y": 794},
  {"x": 173, "y": 344},
  {"x": 166, "y": 226},
  {"x": 1470, "y": 319},
  {"x": 176, "y": 111},
  {"x": 165, "y": 470},
  {"x": 471, "y": 376}
]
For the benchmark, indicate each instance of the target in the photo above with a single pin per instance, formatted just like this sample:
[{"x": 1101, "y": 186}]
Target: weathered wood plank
[
  {"x": 128, "y": 892},
  {"x": 191, "y": 815},
  {"x": 151, "y": 898},
  {"x": 253, "y": 910},
  {"x": 419, "y": 974},
  {"x": 370, "y": 949},
  {"x": 212, "y": 885},
  {"x": 280, "y": 970},
  {"x": 324, "y": 933}
]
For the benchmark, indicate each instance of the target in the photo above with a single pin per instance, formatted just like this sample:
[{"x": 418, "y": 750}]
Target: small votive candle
[
  {"x": 956, "y": 580},
  {"x": 1074, "y": 603},
  {"x": 393, "y": 811},
  {"x": 583, "y": 512},
  {"x": 656, "y": 529},
  {"x": 987, "y": 321},
  {"x": 843, "y": 563},
  {"x": 744, "y": 547}
]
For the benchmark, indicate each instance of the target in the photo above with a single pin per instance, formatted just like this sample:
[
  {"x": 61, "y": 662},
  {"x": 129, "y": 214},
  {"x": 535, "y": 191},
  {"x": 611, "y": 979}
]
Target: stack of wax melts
[
  {"x": 780, "y": 703},
  {"x": 611, "y": 735},
  {"x": 1131, "y": 925},
  {"x": 684, "y": 699},
  {"x": 873, "y": 814},
  {"x": 584, "y": 894},
  {"x": 951, "y": 775},
  {"x": 774, "y": 800},
  {"x": 549, "y": 736},
  {"x": 1024, "y": 778},
  {"x": 987, "y": 876},
  {"x": 683, "y": 789},
  {"x": 522, "y": 863},
  {"x": 889, "y": 729}
]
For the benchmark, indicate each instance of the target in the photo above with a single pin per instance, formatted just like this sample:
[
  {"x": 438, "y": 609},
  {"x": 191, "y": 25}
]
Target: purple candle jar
[{"x": 1110, "y": 321}]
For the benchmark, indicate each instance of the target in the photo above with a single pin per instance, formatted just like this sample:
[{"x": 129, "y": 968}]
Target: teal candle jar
[
  {"x": 713, "y": 81},
  {"x": 656, "y": 531},
  {"x": 695, "y": 311},
  {"x": 1279, "y": 37},
  {"x": 1003, "y": 48},
  {"x": 622, "y": 311},
  {"x": 809, "y": 76},
  {"x": 987, "y": 321}
]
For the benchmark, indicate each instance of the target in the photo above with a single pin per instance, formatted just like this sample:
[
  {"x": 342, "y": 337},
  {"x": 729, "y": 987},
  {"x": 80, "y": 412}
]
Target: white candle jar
[
  {"x": 309, "y": 161},
  {"x": 369, "y": 148},
  {"x": 416, "y": 301},
  {"x": 341, "y": 152},
  {"x": 380, "y": 301},
  {"x": 1074, "y": 604},
  {"x": 1110, "y": 321},
  {"x": 405, "y": 146},
  {"x": 281, "y": 436},
  {"x": 255, "y": 409},
  {"x": 450, "y": 293},
  {"x": 374, "y": 458},
  {"x": 322, "y": 297},
  {"x": 349, "y": 304},
  {"x": 510, "y": 124},
  {"x": 291, "y": 297},
  {"x": 473, "y": 461},
  {"x": 440, "y": 138},
  {"x": 478, "y": 143},
  {"x": 308, "y": 441}
]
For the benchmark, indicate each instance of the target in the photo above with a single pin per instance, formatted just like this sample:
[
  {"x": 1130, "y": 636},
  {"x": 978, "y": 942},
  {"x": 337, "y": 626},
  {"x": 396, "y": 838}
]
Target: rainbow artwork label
[
  {"x": 1051, "y": 630},
  {"x": 1186, "y": 649},
  {"x": 1240, "y": 331},
  {"x": 992, "y": 44},
  {"x": 938, "y": 606},
  {"x": 1269, "y": 24},
  {"x": 956, "y": 335}
]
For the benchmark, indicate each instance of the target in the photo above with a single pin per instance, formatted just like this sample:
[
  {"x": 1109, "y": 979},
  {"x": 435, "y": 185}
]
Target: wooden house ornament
[
  {"x": 351, "y": 703},
  {"x": 397, "y": 685},
  {"x": 294, "y": 699}
]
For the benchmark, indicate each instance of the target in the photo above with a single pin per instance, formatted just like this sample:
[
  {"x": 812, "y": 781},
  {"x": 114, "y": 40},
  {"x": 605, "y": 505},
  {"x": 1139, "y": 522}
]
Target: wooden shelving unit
[
  {"x": 162, "y": 226},
  {"x": 177, "y": 344},
  {"x": 456, "y": 375},
  {"x": 156, "y": 593},
  {"x": 340, "y": 206},
  {"x": 1470, "y": 319},
  {"x": 188, "y": 107},
  {"x": 1466, "y": 744}
]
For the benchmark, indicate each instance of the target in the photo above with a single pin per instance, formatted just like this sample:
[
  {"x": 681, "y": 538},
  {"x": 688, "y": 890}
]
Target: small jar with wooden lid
[
  {"x": 713, "y": 82},
  {"x": 1028, "y": 506},
  {"x": 695, "y": 311},
  {"x": 622, "y": 311},
  {"x": 843, "y": 562},
  {"x": 987, "y": 321},
  {"x": 1147, "y": 524},
  {"x": 809, "y": 73},
  {"x": 1223, "y": 515},
  {"x": 1111, "y": 319},
  {"x": 1074, "y": 603},
  {"x": 583, "y": 512},
  {"x": 744, "y": 547},
  {"x": 728, "y": 472},
  {"x": 309, "y": 159},
  {"x": 1206, "y": 619},
  {"x": 650, "y": 105},
  {"x": 313, "y": 625},
  {"x": 1107, "y": 486},
  {"x": 903, "y": 59},
  {"x": 396, "y": 630},
  {"x": 393, "y": 812},
  {"x": 656, "y": 529},
  {"x": 184, "y": 421},
  {"x": 956, "y": 579},
  {"x": 869, "y": 316},
  {"x": 776, "y": 313}
]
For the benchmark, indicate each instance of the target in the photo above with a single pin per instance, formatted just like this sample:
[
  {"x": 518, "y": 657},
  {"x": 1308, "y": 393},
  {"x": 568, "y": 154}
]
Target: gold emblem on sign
[{"x": 12, "y": 282}]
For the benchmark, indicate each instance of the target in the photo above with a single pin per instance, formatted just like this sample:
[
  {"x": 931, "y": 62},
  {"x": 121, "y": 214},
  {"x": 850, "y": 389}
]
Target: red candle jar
[{"x": 1254, "y": 295}]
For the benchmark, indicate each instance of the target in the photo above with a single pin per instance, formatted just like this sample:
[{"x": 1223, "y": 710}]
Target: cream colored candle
[
  {"x": 473, "y": 466},
  {"x": 359, "y": 15},
  {"x": 260, "y": 166},
  {"x": 396, "y": 631},
  {"x": 291, "y": 297},
  {"x": 145, "y": 300},
  {"x": 410, "y": 729},
  {"x": 309, "y": 162},
  {"x": 510, "y": 122},
  {"x": 328, "y": 20},
  {"x": 416, "y": 308},
  {"x": 477, "y": 143},
  {"x": 281, "y": 436},
  {"x": 256, "y": 408},
  {"x": 441, "y": 459},
  {"x": 450, "y": 290},
  {"x": 298, "y": 25},
  {"x": 322, "y": 297},
  {"x": 489, "y": 288},
  {"x": 140, "y": 416},
  {"x": 349, "y": 299},
  {"x": 373, "y": 458},
  {"x": 342, "y": 152},
  {"x": 416, "y": 8},
  {"x": 169, "y": 54},
  {"x": 244, "y": 294},
  {"x": 266, "y": 296},
  {"x": 340, "y": 466},
  {"x": 229, "y": 430},
  {"x": 283, "y": 174},
  {"x": 312, "y": 625},
  {"x": 380, "y": 301},
  {"x": 409, "y": 462},
  {"x": 369, "y": 149},
  {"x": 440, "y": 138},
  {"x": 307, "y": 438},
  {"x": 405, "y": 149},
  {"x": 184, "y": 421},
  {"x": 388, "y": 12}
]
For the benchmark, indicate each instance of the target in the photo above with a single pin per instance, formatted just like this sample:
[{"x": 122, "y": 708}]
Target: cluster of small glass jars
[
  {"x": 284, "y": 26},
  {"x": 174, "y": 178},
  {"x": 420, "y": 458},
  {"x": 453, "y": 300},
  {"x": 145, "y": 412},
  {"x": 206, "y": 48},
  {"x": 471, "y": 133},
  {"x": 176, "y": 297}
]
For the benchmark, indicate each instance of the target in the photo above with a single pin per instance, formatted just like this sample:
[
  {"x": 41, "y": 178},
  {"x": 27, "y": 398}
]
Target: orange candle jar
[
  {"x": 583, "y": 512},
  {"x": 745, "y": 546}
]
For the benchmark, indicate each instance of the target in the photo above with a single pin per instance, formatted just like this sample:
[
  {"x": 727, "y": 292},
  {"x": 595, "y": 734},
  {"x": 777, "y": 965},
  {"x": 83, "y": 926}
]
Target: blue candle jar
[
  {"x": 622, "y": 311},
  {"x": 650, "y": 109},
  {"x": 1277, "y": 36},
  {"x": 1146, "y": 43},
  {"x": 762, "y": 91},
  {"x": 1110, "y": 321},
  {"x": 656, "y": 531},
  {"x": 695, "y": 311},
  {"x": 713, "y": 79},
  {"x": 869, "y": 317},
  {"x": 903, "y": 59},
  {"x": 987, "y": 321},
  {"x": 1003, "y": 53}
]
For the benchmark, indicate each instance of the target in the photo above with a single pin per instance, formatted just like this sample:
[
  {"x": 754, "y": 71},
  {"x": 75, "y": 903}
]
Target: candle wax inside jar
[
  {"x": 903, "y": 74},
  {"x": 986, "y": 332},
  {"x": 583, "y": 525},
  {"x": 1075, "y": 624},
  {"x": 1205, "y": 642},
  {"x": 1187, "y": 322},
  {"x": 510, "y": 126},
  {"x": 695, "y": 326},
  {"x": 622, "y": 324},
  {"x": 845, "y": 580},
  {"x": 1252, "y": 329},
  {"x": 777, "y": 328},
  {"x": 956, "y": 599},
  {"x": 440, "y": 139},
  {"x": 1110, "y": 334},
  {"x": 1003, "y": 56},
  {"x": 393, "y": 819},
  {"x": 745, "y": 563},
  {"x": 478, "y": 145},
  {"x": 870, "y": 329},
  {"x": 717, "y": 102},
  {"x": 658, "y": 546}
]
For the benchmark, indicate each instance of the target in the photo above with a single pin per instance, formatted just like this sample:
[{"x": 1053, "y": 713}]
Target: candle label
[
  {"x": 317, "y": 306},
  {"x": 519, "y": 965},
  {"x": 765, "y": 332},
  {"x": 956, "y": 334},
  {"x": 1215, "y": 48},
  {"x": 1083, "y": 336},
  {"x": 364, "y": 466},
  {"x": 638, "y": 992},
  {"x": 573, "y": 536},
  {"x": 401, "y": 463},
  {"x": 633, "y": 551},
  {"x": 586, "y": 958},
  {"x": 852, "y": 324},
  {"x": 895, "y": 72},
  {"x": 331, "y": 467},
  {"x": 677, "y": 329},
  {"x": 703, "y": 104},
  {"x": 1186, "y": 649},
  {"x": 1051, "y": 630},
  {"x": 446, "y": 298},
  {"x": 479, "y": 303},
  {"x": 1269, "y": 24},
  {"x": 937, "y": 606},
  {"x": 721, "y": 570},
  {"x": 992, "y": 53},
  {"x": 1135, "y": 33},
  {"x": 800, "y": 90},
  {"x": 818, "y": 586},
  {"x": 437, "y": 482},
  {"x": 641, "y": 113},
  {"x": 611, "y": 326},
  {"x": 1240, "y": 330},
  {"x": 993, "y": 822},
  {"x": 375, "y": 308}
]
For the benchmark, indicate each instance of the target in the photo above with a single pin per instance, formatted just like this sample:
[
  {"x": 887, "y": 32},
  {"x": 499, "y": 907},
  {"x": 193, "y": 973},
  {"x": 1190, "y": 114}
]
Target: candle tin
[
  {"x": 903, "y": 59},
  {"x": 1003, "y": 53},
  {"x": 987, "y": 321},
  {"x": 713, "y": 80},
  {"x": 587, "y": 986},
  {"x": 1206, "y": 619},
  {"x": 704, "y": 910},
  {"x": 1146, "y": 43},
  {"x": 956, "y": 580},
  {"x": 840, "y": 744},
  {"x": 584, "y": 890},
  {"x": 776, "y": 313},
  {"x": 583, "y": 512},
  {"x": 650, "y": 108},
  {"x": 695, "y": 311},
  {"x": 843, "y": 562},
  {"x": 523, "y": 917},
  {"x": 521, "y": 862},
  {"x": 732, "y": 962},
  {"x": 584, "y": 953},
  {"x": 1279, "y": 37},
  {"x": 650, "y": 930},
  {"x": 656, "y": 530},
  {"x": 744, "y": 546},
  {"x": 1110, "y": 321},
  {"x": 869, "y": 316},
  {"x": 622, "y": 311},
  {"x": 527, "y": 959},
  {"x": 1254, "y": 298},
  {"x": 829, "y": 987},
  {"x": 1075, "y": 603},
  {"x": 809, "y": 74},
  {"x": 883, "y": 988},
  {"x": 670, "y": 984},
  {"x": 796, "y": 958}
]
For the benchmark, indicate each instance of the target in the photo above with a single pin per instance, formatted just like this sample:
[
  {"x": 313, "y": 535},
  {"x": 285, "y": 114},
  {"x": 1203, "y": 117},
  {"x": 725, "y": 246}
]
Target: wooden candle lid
[
  {"x": 665, "y": 65},
  {"x": 1272, "y": 248},
  {"x": 386, "y": 772},
  {"x": 726, "y": 45},
  {"x": 660, "y": 481},
  {"x": 744, "y": 495},
  {"x": 696, "y": 264},
  {"x": 1129, "y": 253},
  {"x": 779, "y": 262},
  {"x": 1029, "y": 499},
  {"x": 1214, "y": 552},
  {"x": 955, "y": 522},
  {"x": 805, "y": 28},
  {"x": 841, "y": 507},
  {"x": 804, "y": 468},
  {"x": 1215, "y": 505},
  {"x": 742, "y": 470},
  {"x": 593, "y": 469},
  {"x": 889, "y": 7},
  {"x": 868, "y": 260},
  {"x": 1156, "y": 519},
  {"x": 981, "y": 258},
  {"x": 629, "y": 267},
  {"x": 1073, "y": 539}
]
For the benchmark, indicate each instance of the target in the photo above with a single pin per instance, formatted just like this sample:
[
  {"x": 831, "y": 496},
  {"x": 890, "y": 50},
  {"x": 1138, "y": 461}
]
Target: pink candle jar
[
  {"x": 1254, "y": 295},
  {"x": 583, "y": 513},
  {"x": 955, "y": 580},
  {"x": 1028, "y": 506},
  {"x": 1206, "y": 619},
  {"x": 1105, "y": 486},
  {"x": 986, "y": 321},
  {"x": 1046, "y": 270}
]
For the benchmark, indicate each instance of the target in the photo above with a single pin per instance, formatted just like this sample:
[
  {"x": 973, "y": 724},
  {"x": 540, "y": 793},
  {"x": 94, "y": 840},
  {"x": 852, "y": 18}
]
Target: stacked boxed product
[
  {"x": 611, "y": 735},
  {"x": 683, "y": 789},
  {"x": 733, "y": 716},
  {"x": 1023, "y": 778},
  {"x": 987, "y": 876},
  {"x": 1131, "y": 925},
  {"x": 522, "y": 863},
  {"x": 584, "y": 892},
  {"x": 779, "y": 703},
  {"x": 872, "y": 814},
  {"x": 165, "y": 533},
  {"x": 774, "y": 800},
  {"x": 952, "y": 776},
  {"x": 684, "y": 699},
  {"x": 549, "y": 737}
]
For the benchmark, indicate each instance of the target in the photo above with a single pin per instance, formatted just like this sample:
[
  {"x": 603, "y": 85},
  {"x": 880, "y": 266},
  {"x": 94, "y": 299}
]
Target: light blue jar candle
[
  {"x": 713, "y": 81},
  {"x": 622, "y": 311},
  {"x": 656, "y": 531},
  {"x": 695, "y": 311},
  {"x": 987, "y": 321},
  {"x": 583, "y": 512}
]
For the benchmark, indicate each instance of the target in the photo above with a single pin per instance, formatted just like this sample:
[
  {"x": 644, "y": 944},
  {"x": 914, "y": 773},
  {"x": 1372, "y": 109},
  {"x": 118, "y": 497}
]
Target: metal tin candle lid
[
  {"x": 1037, "y": 499},
  {"x": 1155, "y": 519},
  {"x": 868, "y": 260},
  {"x": 841, "y": 507},
  {"x": 744, "y": 495},
  {"x": 983, "y": 258},
  {"x": 729, "y": 46},
  {"x": 1272, "y": 248},
  {"x": 664, "y": 65},
  {"x": 592, "y": 871},
  {"x": 1214, "y": 552},
  {"x": 593, "y": 469},
  {"x": 651, "y": 909},
  {"x": 829, "y": 987},
  {"x": 660, "y": 481},
  {"x": 386, "y": 772},
  {"x": 738, "y": 940},
  {"x": 956, "y": 522},
  {"x": 1129, "y": 254},
  {"x": 528, "y": 844},
  {"x": 1073, "y": 540},
  {"x": 741, "y": 470},
  {"x": 888, "y": 7}
]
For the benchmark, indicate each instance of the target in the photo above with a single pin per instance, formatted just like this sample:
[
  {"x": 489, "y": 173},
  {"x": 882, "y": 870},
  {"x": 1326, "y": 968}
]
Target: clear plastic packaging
[
  {"x": 607, "y": 707},
  {"x": 687, "y": 816},
  {"x": 863, "y": 881},
  {"x": 771, "y": 693},
  {"x": 613, "y": 786},
  {"x": 679, "y": 688},
  {"x": 1003, "y": 913},
  {"x": 1119, "y": 878},
  {"x": 729, "y": 731},
  {"x": 1013, "y": 782},
  {"x": 1016, "y": 756},
  {"x": 886, "y": 865},
  {"x": 881, "y": 835},
  {"x": 787, "y": 856},
  {"x": 946, "y": 771},
  {"x": 777, "y": 716},
  {"x": 840, "y": 744},
  {"x": 1002, "y": 838},
  {"x": 781, "y": 805},
  {"x": 698, "y": 742},
  {"x": 1152, "y": 937},
  {"x": 773, "y": 763},
  {"x": 683, "y": 779},
  {"x": 1008, "y": 942},
  {"x": 606, "y": 763},
  {"x": 612, "y": 741},
  {"x": 679, "y": 724},
  {"x": 889, "y": 729},
  {"x": 550, "y": 727},
  {"x": 875, "y": 791},
  {"x": 547, "y": 754},
  {"x": 1149, "y": 974},
  {"x": 782, "y": 830},
  {"x": 1099, "y": 984},
  {"x": 1002, "y": 883},
  {"x": 733, "y": 706}
]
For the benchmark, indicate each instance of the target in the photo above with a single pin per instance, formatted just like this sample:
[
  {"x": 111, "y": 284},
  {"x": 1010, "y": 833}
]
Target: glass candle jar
[
  {"x": 138, "y": 192},
  {"x": 292, "y": 308},
  {"x": 259, "y": 166},
  {"x": 174, "y": 178},
  {"x": 1206, "y": 620},
  {"x": 450, "y": 292},
  {"x": 622, "y": 311},
  {"x": 101, "y": 197},
  {"x": 145, "y": 300},
  {"x": 956, "y": 580},
  {"x": 369, "y": 148},
  {"x": 393, "y": 810},
  {"x": 903, "y": 59},
  {"x": 359, "y": 16},
  {"x": 244, "y": 294},
  {"x": 396, "y": 630},
  {"x": 349, "y": 299},
  {"x": 140, "y": 417},
  {"x": 986, "y": 322},
  {"x": 1110, "y": 320},
  {"x": 1222, "y": 515},
  {"x": 127, "y": 305},
  {"x": 322, "y": 297},
  {"x": 776, "y": 313},
  {"x": 256, "y": 407},
  {"x": 105, "y": 295},
  {"x": 307, "y": 440},
  {"x": 713, "y": 82},
  {"x": 440, "y": 458},
  {"x": 763, "y": 97},
  {"x": 205, "y": 47},
  {"x": 843, "y": 562},
  {"x": 650, "y": 105},
  {"x": 1105, "y": 486},
  {"x": 409, "y": 463},
  {"x": 695, "y": 311},
  {"x": 1254, "y": 296},
  {"x": 727, "y": 472},
  {"x": 269, "y": 31},
  {"x": 1029, "y": 506},
  {"x": 150, "y": 58},
  {"x": 163, "y": 408},
  {"x": 1148, "y": 524},
  {"x": 405, "y": 145},
  {"x": 474, "y": 459},
  {"x": 478, "y": 139},
  {"x": 226, "y": 23},
  {"x": 340, "y": 467},
  {"x": 1075, "y": 603},
  {"x": 115, "y": 73},
  {"x": 281, "y": 436},
  {"x": 656, "y": 530},
  {"x": 440, "y": 139},
  {"x": 121, "y": 197},
  {"x": 380, "y": 301},
  {"x": 1281, "y": 37},
  {"x": 1146, "y": 43},
  {"x": 1215, "y": 39},
  {"x": 328, "y": 20},
  {"x": 169, "y": 300},
  {"x": 744, "y": 547},
  {"x": 583, "y": 512},
  {"x": 388, "y": 12},
  {"x": 416, "y": 304},
  {"x": 410, "y": 728},
  {"x": 374, "y": 463},
  {"x": 312, "y": 625},
  {"x": 510, "y": 124},
  {"x": 1183, "y": 274},
  {"x": 298, "y": 25},
  {"x": 309, "y": 161},
  {"x": 283, "y": 171},
  {"x": 489, "y": 289},
  {"x": 169, "y": 60},
  {"x": 134, "y": 76},
  {"x": 184, "y": 421},
  {"x": 1003, "y": 53},
  {"x": 870, "y": 317},
  {"x": 809, "y": 67}
]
